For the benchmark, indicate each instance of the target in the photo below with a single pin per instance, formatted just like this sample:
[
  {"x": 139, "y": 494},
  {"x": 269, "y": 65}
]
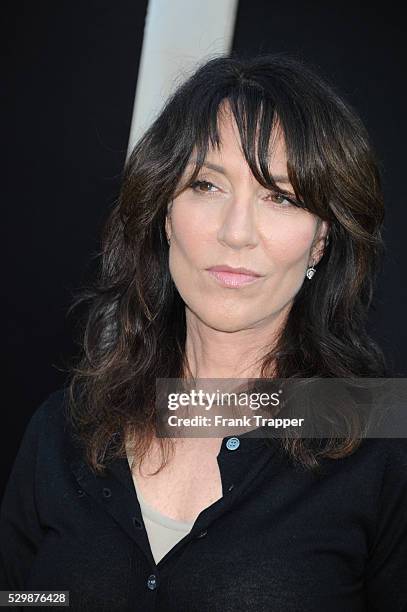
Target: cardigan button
[
  {"x": 137, "y": 523},
  {"x": 152, "y": 582},
  {"x": 106, "y": 493},
  {"x": 233, "y": 443}
]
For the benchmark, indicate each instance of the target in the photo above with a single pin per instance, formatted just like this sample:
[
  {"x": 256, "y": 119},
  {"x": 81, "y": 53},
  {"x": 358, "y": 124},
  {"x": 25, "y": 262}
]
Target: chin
[{"x": 225, "y": 324}]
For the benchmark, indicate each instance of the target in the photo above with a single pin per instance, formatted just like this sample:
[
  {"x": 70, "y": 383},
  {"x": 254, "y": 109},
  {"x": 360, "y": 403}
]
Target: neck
[{"x": 212, "y": 353}]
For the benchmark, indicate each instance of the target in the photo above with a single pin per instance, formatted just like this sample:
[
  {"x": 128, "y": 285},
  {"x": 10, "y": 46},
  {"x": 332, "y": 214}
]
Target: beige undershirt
[{"x": 163, "y": 532}]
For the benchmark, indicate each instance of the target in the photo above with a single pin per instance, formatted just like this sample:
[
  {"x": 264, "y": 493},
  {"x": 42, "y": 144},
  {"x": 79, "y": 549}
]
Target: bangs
[{"x": 259, "y": 124}]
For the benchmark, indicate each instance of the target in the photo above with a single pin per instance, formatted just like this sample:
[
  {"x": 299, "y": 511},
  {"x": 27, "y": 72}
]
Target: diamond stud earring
[{"x": 310, "y": 272}]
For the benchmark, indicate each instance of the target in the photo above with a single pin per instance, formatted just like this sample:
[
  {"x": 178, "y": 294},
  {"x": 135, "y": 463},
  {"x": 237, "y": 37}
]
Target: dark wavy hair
[{"x": 134, "y": 330}]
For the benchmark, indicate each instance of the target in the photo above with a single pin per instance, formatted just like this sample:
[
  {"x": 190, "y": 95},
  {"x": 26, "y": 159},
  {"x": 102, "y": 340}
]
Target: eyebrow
[{"x": 278, "y": 178}]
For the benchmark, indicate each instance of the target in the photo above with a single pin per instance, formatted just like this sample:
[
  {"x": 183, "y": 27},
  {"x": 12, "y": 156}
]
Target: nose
[{"x": 238, "y": 229}]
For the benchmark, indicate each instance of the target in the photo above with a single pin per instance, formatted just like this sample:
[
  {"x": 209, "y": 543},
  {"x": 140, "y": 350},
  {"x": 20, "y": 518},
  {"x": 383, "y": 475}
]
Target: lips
[
  {"x": 225, "y": 268},
  {"x": 233, "y": 277}
]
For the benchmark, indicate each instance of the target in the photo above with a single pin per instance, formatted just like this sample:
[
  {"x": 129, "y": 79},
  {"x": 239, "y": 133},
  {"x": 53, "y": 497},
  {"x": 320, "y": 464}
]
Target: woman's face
[{"x": 229, "y": 219}]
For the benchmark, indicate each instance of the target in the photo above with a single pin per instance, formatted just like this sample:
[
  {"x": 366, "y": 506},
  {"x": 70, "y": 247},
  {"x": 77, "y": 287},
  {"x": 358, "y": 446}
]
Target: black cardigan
[{"x": 280, "y": 539}]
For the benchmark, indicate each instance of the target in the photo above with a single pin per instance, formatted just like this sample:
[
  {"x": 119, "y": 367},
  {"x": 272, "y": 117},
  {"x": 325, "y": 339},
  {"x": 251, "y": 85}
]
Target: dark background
[{"x": 70, "y": 79}]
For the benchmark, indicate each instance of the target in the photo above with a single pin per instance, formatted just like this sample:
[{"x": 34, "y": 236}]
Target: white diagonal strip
[{"x": 178, "y": 34}]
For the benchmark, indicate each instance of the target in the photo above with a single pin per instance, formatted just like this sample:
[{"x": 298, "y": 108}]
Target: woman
[{"x": 245, "y": 243}]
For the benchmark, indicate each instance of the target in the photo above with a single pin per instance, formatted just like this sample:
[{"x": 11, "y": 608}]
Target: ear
[
  {"x": 168, "y": 229},
  {"x": 319, "y": 244}
]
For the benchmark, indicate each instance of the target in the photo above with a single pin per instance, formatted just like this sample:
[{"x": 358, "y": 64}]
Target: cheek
[
  {"x": 289, "y": 242},
  {"x": 191, "y": 233}
]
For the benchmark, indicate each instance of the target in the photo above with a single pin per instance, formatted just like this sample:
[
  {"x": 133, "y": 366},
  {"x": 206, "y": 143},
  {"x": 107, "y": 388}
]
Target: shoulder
[
  {"x": 372, "y": 474},
  {"x": 376, "y": 460},
  {"x": 386, "y": 452},
  {"x": 378, "y": 473},
  {"x": 385, "y": 568},
  {"x": 51, "y": 412},
  {"x": 48, "y": 431},
  {"x": 389, "y": 458},
  {"x": 376, "y": 453},
  {"x": 41, "y": 445}
]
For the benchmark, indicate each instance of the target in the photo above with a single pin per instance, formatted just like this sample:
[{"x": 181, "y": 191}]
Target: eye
[
  {"x": 281, "y": 200},
  {"x": 203, "y": 187}
]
